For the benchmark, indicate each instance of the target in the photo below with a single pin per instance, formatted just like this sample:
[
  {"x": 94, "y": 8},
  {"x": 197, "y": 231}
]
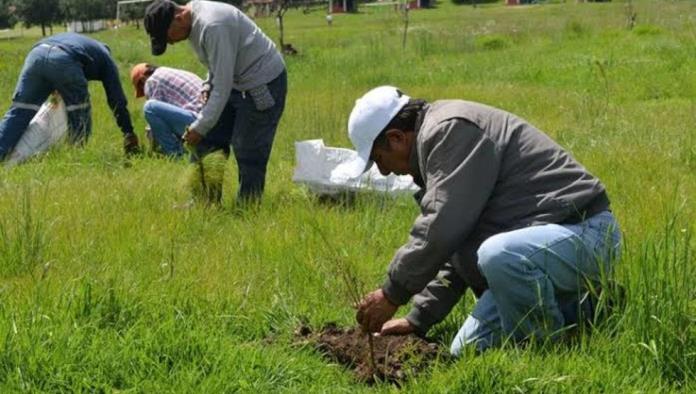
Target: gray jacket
[
  {"x": 237, "y": 53},
  {"x": 483, "y": 171}
]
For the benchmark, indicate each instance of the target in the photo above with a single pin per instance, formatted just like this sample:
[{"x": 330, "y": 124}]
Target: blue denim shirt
[{"x": 98, "y": 65}]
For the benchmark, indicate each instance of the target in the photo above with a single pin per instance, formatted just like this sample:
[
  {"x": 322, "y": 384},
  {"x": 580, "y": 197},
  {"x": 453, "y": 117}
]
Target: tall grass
[
  {"x": 23, "y": 239},
  {"x": 661, "y": 310},
  {"x": 339, "y": 265}
]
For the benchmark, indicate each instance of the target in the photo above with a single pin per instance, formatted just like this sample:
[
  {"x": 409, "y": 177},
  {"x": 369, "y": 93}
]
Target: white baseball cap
[{"x": 371, "y": 114}]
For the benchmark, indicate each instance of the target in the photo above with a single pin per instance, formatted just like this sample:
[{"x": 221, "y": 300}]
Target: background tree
[
  {"x": 42, "y": 13},
  {"x": 109, "y": 9},
  {"x": 236, "y": 3},
  {"x": 133, "y": 13},
  {"x": 282, "y": 7},
  {"x": 404, "y": 7},
  {"x": 475, "y": 2},
  {"x": 8, "y": 17},
  {"x": 78, "y": 10},
  {"x": 88, "y": 10}
]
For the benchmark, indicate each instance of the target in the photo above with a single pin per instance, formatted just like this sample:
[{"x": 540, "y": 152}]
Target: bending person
[
  {"x": 174, "y": 100},
  {"x": 65, "y": 63},
  {"x": 246, "y": 79}
]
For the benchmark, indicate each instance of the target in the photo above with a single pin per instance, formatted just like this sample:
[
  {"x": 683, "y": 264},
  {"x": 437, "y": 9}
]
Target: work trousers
[
  {"x": 248, "y": 124},
  {"x": 47, "y": 68},
  {"x": 167, "y": 124},
  {"x": 540, "y": 280}
]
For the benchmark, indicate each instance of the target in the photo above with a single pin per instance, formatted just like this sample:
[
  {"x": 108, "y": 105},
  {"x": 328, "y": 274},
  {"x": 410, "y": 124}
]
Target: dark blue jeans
[
  {"x": 168, "y": 123},
  {"x": 47, "y": 68},
  {"x": 250, "y": 133}
]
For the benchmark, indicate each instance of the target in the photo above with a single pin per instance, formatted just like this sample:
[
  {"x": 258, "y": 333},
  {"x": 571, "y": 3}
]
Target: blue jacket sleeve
[{"x": 116, "y": 98}]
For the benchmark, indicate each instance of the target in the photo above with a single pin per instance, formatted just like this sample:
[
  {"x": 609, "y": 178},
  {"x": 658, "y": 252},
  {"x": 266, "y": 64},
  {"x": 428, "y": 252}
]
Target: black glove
[{"x": 130, "y": 144}]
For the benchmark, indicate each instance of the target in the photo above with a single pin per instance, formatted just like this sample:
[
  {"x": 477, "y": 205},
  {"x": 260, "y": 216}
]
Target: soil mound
[{"x": 395, "y": 357}]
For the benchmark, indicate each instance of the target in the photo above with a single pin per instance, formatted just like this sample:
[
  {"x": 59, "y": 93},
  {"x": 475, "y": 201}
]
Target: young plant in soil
[
  {"x": 353, "y": 286},
  {"x": 404, "y": 11},
  {"x": 394, "y": 356}
]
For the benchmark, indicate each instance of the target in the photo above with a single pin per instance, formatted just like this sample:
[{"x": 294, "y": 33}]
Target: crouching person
[
  {"x": 174, "y": 100},
  {"x": 65, "y": 63},
  {"x": 505, "y": 211}
]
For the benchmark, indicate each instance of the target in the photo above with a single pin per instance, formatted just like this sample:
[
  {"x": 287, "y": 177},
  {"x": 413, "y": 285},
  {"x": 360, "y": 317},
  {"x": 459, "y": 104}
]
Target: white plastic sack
[
  {"x": 47, "y": 127},
  {"x": 315, "y": 161}
]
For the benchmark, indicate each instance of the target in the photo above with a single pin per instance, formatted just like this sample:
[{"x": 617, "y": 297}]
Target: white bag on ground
[
  {"x": 315, "y": 161},
  {"x": 47, "y": 127}
]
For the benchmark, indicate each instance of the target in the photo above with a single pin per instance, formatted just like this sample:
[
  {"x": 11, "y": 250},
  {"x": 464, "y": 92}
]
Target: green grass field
[{"x": 106, "y": 287}]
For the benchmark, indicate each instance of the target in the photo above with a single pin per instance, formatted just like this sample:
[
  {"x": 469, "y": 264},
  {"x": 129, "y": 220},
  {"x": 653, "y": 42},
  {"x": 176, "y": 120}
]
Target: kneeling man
[{"x": 505, "y": 211}]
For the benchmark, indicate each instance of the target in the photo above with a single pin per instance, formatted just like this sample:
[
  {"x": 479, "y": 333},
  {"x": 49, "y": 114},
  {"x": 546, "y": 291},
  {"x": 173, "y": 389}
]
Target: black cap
[{"x": 158, "y": 16}]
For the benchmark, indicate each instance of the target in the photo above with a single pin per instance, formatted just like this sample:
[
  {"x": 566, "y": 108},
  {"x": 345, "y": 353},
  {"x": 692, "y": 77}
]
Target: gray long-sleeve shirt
[
  {"x": 483, "y": 171},
  {"x": 237, "y": 53}
]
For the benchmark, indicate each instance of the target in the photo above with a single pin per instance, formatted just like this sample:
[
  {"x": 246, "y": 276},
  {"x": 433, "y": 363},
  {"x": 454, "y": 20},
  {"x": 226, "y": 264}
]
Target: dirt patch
[{"x": 395, "y": 357}]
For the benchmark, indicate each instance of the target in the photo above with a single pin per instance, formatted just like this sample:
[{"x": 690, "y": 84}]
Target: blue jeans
[
  {"x": 250, "y": 132},
  {"x": 537, "y": 277},
  {"x": 47, "y": 68},
  {"x": 168, "y": 123}
]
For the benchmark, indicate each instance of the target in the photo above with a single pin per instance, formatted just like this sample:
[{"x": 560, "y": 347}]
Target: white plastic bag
[
  {"x": 47, "y": 127},
  {"x": 315, "y": 161}
]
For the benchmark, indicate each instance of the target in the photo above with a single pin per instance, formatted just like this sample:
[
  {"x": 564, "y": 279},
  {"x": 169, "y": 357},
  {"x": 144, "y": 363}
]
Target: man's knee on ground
[{"x": 475, "y": 334}]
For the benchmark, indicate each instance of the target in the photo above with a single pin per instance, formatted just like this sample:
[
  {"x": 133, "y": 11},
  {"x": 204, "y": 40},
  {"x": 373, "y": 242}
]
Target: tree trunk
[
  {"x": 403, "y": 43},
  {"x": 280, "y": 26},
  {"x": 43, "y": 29}
]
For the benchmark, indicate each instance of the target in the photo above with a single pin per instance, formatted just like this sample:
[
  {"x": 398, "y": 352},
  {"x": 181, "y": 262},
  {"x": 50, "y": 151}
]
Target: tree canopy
[
  {"x": 46, "y": 13},
  {"x": 8, "y": 17},
  {"x": 42, "y": 13}
]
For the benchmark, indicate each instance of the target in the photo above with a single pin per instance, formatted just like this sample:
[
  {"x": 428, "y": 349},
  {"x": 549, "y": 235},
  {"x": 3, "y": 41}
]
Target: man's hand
[
  {"x": 192, "y": 137},
  {"x": 374, "y": 310},
  {"x": 397, "y": 327},
  {"x": 130, "y": 144},
  {"x": 205, "y": 93}
]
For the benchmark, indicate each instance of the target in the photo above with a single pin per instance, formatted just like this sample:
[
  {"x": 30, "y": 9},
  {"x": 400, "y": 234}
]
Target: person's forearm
[
  {"x": 435, "y": 302},
  {"x": 118, "y": 104},
  {"x": 123, "y": 119},
  {"x": 210, "y": 113}
]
